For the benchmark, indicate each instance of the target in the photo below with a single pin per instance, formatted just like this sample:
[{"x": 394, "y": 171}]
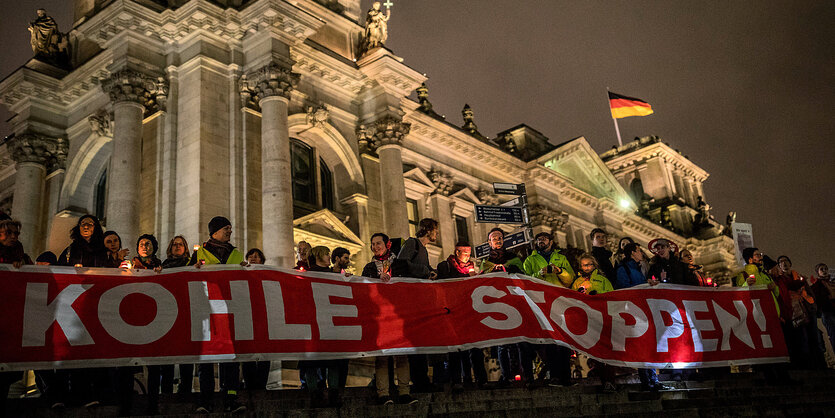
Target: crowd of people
[{"x": 800, "y": 301}]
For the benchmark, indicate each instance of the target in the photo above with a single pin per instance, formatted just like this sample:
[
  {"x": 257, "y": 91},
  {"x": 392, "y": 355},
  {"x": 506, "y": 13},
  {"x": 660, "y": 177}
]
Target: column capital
[
  {"x": 271, "y": 80},
  {"x": 387, "y": 130},
  {"x": 32, "y": 148},
  {"x": 132, "y": 86}
]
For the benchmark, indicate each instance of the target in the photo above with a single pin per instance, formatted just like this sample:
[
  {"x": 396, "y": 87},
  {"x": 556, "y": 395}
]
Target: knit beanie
[{"x": 217, "y": 223}]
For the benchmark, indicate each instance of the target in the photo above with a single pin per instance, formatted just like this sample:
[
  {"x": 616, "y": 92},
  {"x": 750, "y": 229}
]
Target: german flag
[{"x": 624, "y": 107}]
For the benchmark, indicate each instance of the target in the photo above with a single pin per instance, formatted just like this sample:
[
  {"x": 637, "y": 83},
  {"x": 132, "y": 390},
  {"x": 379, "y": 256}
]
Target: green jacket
[
  {"x": 762, "y": 279},
  {"x": 536, "y": 262},
  {"x": 599, "y": 283}
]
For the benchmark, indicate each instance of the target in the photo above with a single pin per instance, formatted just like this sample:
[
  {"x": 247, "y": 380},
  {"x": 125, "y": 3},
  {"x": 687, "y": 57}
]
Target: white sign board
[{"x": 743, "y": 238}]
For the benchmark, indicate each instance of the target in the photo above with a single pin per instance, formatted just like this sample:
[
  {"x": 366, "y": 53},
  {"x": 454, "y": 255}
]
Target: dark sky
[{"x": 744, "y": 89}]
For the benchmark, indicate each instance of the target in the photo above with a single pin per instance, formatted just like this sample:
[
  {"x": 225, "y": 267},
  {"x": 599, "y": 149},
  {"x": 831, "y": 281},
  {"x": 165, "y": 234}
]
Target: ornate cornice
[
  {"x": 387, "y": 130},
  {"x": 271, "y": 80},
  {"x": 552, "y": 218},
  {"x": 32, "y": 148}
]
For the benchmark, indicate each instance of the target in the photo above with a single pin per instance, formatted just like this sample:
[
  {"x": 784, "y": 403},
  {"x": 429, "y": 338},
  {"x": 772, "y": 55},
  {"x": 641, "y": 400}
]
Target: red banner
[{"x": 74, "y": 317}]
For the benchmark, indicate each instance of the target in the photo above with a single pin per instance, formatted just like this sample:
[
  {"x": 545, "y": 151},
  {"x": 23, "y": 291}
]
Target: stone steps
[{"x": 813, "y": 394}]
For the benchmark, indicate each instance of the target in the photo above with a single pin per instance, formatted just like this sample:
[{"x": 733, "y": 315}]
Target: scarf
[
  {"x": 462, "y": 268},
  {"x": 221, "y": 250},
  {"x": 146, "y": 262}
]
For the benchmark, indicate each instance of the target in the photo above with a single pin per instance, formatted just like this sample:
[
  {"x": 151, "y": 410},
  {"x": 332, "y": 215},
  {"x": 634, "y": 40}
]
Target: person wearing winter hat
[{"x": 218, "y": 250}]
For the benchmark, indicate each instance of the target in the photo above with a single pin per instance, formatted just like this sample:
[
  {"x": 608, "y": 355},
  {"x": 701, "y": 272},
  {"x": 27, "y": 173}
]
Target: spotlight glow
[{"x": 624, "y": 203}]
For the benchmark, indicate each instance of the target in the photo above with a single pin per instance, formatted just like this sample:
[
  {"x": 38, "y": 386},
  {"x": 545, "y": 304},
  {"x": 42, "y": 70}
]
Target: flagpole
[{"x": 617, "y": 129}]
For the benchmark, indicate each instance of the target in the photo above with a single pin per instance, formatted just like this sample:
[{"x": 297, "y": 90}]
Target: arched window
[
  {"x": 101, "y": 196},
  {"x": 313, "y": 186},
  {"x": 636, "y": 189}
]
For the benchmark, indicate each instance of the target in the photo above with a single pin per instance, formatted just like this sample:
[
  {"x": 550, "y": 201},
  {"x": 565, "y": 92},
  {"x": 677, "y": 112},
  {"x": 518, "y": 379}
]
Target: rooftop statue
[
  {"x": 376, "y": 27},
  {"x": 48, "y": 43}
]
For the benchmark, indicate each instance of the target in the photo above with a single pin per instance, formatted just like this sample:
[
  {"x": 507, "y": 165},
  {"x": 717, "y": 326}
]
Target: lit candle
[
  {"x": 78, "y": 265},
  {"x": 196, "y": 247}
]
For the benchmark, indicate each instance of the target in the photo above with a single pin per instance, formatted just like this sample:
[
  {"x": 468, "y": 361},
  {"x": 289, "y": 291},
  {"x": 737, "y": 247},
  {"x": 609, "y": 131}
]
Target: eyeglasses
[{"x": 87, "y": 224}]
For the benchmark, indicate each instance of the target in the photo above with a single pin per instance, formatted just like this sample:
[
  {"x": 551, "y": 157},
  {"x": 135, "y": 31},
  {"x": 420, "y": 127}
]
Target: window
[
  {"x": 412, "y": 213},
  {"x": 101, "y": 196},
  {"x": 327, "y": 185},
  {"x": 461, "y": 229},
  {"x": 304, "y": 185},
  {"x": 637, "y": 190}
]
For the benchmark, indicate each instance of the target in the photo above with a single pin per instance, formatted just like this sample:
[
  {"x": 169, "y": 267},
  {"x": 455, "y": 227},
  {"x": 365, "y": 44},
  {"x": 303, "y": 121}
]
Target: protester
[
  {"x": 500, "y": 258},
  {"x": 86, "y": 250},
  {"x": 666, "y": 267},
  {"x": 255, "y": 256},
  {"x": 824, "y": 291},
  {"x": 513, "y": 358},
  {"x": 340, "y": 263},
  {"x": 255, "y": 373},
  {"x": 695, "y": 269},
  {"x": 380, "y": 268},
  {"x": 160, "y": 377},
  {"x": 619, "y": 256},
  {"x": 380, "y": 265},
  {"x": 799, "y": 315},
  {"x": 546, "y": 263},
  {"x": 629, "y": 275},
  {"x": 414, "y": 252},
  {"x": 591, "y": 282},
  {"x": 302, "y": 255},
  {"x": 754, "y": 275},
  {"x": 115, "y": 253},
  {"x": 601, "y": 253},
  {"x": 47, "y": 258},
  {"x": 177, "y": 254},
  {"x": 218, "y": 250},
  {"x": 459, "y": 265},
  {"x": 341, "y": 260},
  {"x": 11, "y": 250}
]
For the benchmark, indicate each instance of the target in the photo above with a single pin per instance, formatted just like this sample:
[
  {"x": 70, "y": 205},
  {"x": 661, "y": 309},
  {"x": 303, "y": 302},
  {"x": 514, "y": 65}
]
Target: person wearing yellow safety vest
[
  {"x": 754, "y": 275},
  {"x": 546, "y": 263},
  {"x": 218, "y": 250}
]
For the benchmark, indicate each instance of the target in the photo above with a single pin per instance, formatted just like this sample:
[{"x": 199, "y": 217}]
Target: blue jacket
[{"x": 629, "y": 274}]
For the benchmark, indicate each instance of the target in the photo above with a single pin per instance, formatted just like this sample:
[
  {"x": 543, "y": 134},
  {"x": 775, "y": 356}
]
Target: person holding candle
[
  {"x": 591, "y": 282},
  {"x": 115, "y": 253},
  {"x": 380, "y": 265},
  {"x": 460, "y": 265}
]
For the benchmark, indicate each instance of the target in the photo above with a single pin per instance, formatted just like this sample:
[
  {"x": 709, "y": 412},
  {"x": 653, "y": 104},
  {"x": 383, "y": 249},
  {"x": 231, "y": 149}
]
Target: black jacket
[
  {"x": 86, "y": 254},
  {"x": 447, "y": 271},
  {"x": 416, "y": 259},
  {"x": 172, "y": 262},
  {"x": 604, "y": 261},
  {"x": 677, "y": 272}
]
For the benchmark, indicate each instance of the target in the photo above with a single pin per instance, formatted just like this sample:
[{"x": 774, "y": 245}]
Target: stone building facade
[{"x": 266, "y": 112}]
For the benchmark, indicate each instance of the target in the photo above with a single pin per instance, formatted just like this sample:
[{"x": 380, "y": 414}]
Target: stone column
[
  {"x": 130, "y": 92},
  {"x": 271, "y": 89},
  {"x": 54, "y": 181},
  {"x": 31, "y": 153},
  {"x": 386, "y": 136}
]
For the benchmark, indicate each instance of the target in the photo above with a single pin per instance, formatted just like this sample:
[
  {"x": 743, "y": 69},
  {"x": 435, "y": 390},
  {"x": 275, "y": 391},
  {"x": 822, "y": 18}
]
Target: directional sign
[
  {"x": 510, "y": 241},
  {"x": 516, "y": 201},
  {"x": 509, "y": 188},
  {"x": 499, "y": 214}
]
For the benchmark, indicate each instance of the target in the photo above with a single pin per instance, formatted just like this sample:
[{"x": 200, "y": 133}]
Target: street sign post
[{"x": 500, "y": 214}]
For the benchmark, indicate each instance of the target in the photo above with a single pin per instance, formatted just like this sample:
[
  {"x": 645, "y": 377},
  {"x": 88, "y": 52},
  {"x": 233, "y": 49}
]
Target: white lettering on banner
[
  {"x": 115, "y": 325},
  {"x": 621, "y": 331},
  {"x": 514, "y": 318},
  {"x": 664, "y": 332},
  {"x": 533, "y": 297},
  {"x": 594, "y": 323},
  {"x": 326, "y": 311},
  {"x": 202, "y": 308},
  {"x": 277, "y": 324},
  {"x": 759, "y": 318},
  {"x": 732, "y": 324},
  {"x": 700, "y": 345},
  {"x": 38, "y": 315}
]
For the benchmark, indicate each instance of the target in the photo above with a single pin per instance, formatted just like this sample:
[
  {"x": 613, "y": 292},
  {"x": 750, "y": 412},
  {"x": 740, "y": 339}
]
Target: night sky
[{"x": 744, "y": 89}]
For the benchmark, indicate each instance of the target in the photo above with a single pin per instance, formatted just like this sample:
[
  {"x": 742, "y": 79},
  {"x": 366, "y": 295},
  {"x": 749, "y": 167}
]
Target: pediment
[
  {"x": 466, "y": 195},
  {"x": 578, "y": 162},
  {"x": 418, "y": 179},
  {"x": 324, "y": 228}
]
